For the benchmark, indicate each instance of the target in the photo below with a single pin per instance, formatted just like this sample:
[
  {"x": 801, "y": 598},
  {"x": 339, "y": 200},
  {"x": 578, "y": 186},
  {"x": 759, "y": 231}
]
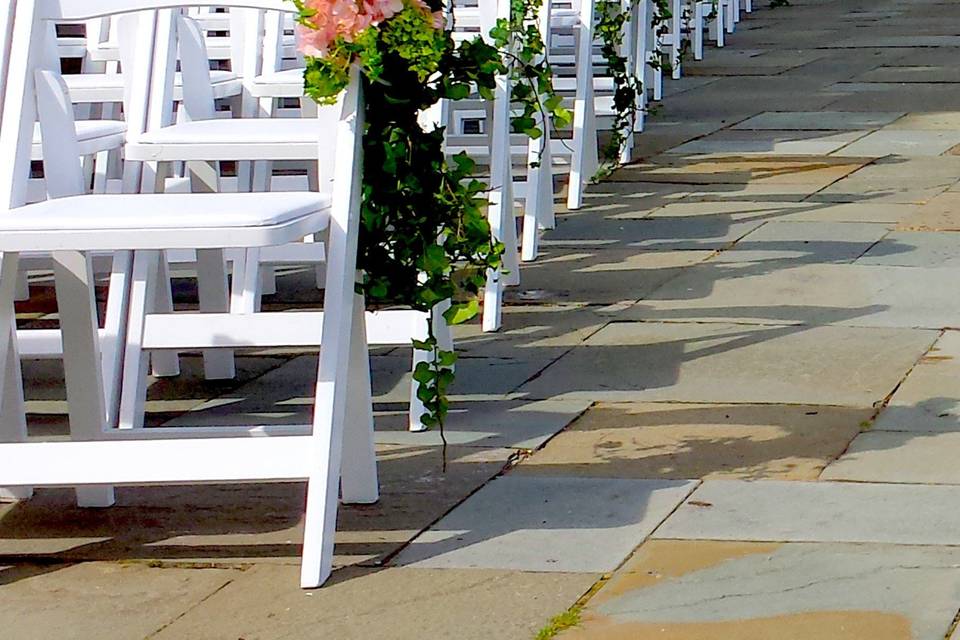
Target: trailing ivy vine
[
  {"x": 424, "y": 239},
  {"x": 612, "y": 19}
]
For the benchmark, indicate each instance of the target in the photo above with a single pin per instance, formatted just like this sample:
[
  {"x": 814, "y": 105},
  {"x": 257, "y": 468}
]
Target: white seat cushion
[
  {"x": 233, "y": 139},
  {"x": 93, "y": 135},
  {"x": 239, "y": 131},
  {"x": 86, "y": 81},
  {"x": 281, "y": 77},
  {"x": 161, "y": 221},
  {"x": 88, "y": 130},
  {"x": 108, "y": 87}
]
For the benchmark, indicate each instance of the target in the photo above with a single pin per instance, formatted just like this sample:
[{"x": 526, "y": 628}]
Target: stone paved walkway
[{"x": 725, "y": 404}]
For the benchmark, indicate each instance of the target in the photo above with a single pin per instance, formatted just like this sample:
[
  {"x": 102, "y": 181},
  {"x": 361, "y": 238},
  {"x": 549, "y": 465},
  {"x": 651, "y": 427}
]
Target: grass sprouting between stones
[{"x": 560, "y": 622}]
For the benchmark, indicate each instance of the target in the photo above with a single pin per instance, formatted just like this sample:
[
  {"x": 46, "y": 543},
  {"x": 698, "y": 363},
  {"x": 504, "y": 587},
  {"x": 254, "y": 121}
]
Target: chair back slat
[
  {"x": 82, "y": 10},
  {"x": 61, "y": 151},
  {"x": 198, "y": 100},
  {"x": 6, "y": 27},
  {"x": 27, "y": 52}
]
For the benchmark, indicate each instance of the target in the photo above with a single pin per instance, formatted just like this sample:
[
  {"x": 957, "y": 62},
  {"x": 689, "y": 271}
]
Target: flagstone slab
[
  {"x": 769, "y": 192},
  {"x": 606, "y": 276},
  {"x": 907, "y": 457},
  {"x": 892, "y": 96},
  {"x": 911, "y": 74},
  {"x": 616, "y": 231},
  {"x": 928, "y": 400},
  {"x": 743, "y": 170},
  {"x": 665, "y": 133},
  {"x": 235, "y": 525},
  {"x": 914, "y": 40},
  {"x": 535, "y": 326},
  {"x": 684, "y": 84},
  {"x": 720, "y": 362},
  {"x": 941, "y": 213},
  {"x": 783, "y": 511},
  {"x": 166, "y": 397},
  {"x": 676, "y": 235},
  {"x": 805, "y": 242},
  {"x": 819, "y": 120},
  {"x": 903, "y": 142},
  {"x": 875, "y": 193},
  {"x": 750, "y": 62},
  {"x": 926, "y": 56},
  {"x": 505, "y": 423},
  {"x": 783, "y": 292},
  {"x": 266, "y": 603},
  {"x": 668, "y": 440},
  {"x": 285, "y": 395},
  {"x": 626, "y": 196},
  {"x": 795, "y": 211},
  {"x": 753, "y": 591},
  {"x": 936, "y": 121},
  {"x": 926, "y": 249},
  {"x": 554, "y": 524},
  {"x": 769, "y": 142},
  {"x": 100, "y": 600}
]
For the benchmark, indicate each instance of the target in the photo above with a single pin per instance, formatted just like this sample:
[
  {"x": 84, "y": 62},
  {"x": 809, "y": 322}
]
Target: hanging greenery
[
  {"x": 613, "y": 17},
  {"x": 425, "y": 239}
]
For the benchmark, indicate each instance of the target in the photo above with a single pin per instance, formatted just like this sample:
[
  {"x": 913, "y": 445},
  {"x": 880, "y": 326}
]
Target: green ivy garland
[
  {"x": 425, "y": 239},
  {"x": 612, "y": 18}
]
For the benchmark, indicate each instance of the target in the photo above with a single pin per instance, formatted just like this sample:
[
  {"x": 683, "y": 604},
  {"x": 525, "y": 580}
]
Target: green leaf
[{"x": 461, "y": 312}]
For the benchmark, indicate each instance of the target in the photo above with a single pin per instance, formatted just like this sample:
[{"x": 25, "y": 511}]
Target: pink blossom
[
  {"x": 346, "y": 19},
  {"x": 331, "y": 19},
  {"x": 380, "y": 10}
]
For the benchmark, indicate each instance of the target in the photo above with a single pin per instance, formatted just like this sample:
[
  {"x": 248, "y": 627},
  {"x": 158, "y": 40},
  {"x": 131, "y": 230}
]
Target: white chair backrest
[
  {"x": 61, "y": 151},
  {"x": 6, "y": 28},
  {"x": 198, "y": 99},
  {"x": 31, "y": 51}
]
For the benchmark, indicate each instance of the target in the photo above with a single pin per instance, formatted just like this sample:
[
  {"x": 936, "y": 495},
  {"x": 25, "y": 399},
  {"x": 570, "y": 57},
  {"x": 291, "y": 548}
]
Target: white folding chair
[
  {"x": 202, "y": 140},
  {"x": 94, "y": 138},
  {"x": 74, "y": 226}
]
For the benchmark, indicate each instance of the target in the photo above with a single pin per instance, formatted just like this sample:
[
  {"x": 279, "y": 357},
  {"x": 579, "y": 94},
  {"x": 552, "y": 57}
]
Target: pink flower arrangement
[{"x": 346, "y": 19}]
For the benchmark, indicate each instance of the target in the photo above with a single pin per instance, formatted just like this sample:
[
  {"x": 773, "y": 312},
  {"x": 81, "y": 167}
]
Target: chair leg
[
  {"x": 22, "y": 292},
  {"x": 511, "y": 254},
  {"x": 218, "y": 364},
  {"x": 676, "y": 29},
  {"x": 115, "y": 323},
  {"x": 13, "y": 422},
  {"x": 101, "y": 168},
  {"x": 579, "y": 165},
  {"x": 500, "y": 199},
  {"x": 492, "y": 302},
  {"x": 144, "y": 277},
  {"x": 358, "y": 479},
  {"x": 441, "y": 331},
  {"x": 537, "y": 201},
  {"x": 151, "y": 177},
  {"x": 76, "y": 306},
  {"x": 698, "y": 8},
  {"x": 163, "y": 364},
  {"x": 245, "y": 297},
  {"x": 721, "y": 25}
]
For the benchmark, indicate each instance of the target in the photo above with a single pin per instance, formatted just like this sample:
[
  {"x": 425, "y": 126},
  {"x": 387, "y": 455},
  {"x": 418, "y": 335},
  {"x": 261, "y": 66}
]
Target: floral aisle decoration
[{"x": 425, "y": 239}]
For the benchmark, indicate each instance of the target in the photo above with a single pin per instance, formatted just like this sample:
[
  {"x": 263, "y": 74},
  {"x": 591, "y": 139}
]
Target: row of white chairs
[{"x": 150, "y": 191}]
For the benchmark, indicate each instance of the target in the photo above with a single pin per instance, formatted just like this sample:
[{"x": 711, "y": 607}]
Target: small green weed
[{"x": 561, "y": 622}]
